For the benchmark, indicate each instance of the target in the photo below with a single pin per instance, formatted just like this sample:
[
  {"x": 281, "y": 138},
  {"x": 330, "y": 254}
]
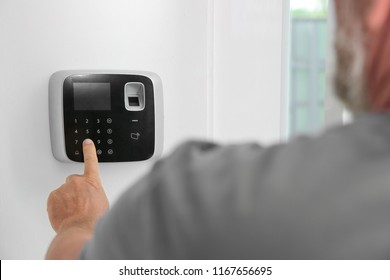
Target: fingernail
[{"x": 87, "y": 142}]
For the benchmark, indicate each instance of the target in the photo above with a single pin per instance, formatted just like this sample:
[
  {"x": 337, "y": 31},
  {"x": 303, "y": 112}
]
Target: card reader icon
[{"x": 135, "y": 136}]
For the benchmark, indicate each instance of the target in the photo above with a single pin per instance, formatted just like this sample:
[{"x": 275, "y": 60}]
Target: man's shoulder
[
  {"x": 206, "y": 163},
  {"x": 205, "y": 193}
]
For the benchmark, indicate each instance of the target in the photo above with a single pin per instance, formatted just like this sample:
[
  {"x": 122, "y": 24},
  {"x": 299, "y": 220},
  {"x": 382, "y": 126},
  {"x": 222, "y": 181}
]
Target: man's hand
[{"x": 75, "y": 207}]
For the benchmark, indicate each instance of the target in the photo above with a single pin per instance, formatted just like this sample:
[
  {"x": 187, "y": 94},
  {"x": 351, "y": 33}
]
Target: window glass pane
[
  {"x": 307, "y": 65},
  {"x": 302, "y": 119},
  {"x": 321, "y": 37},
  {"x": 321, "y": 84},
  {"x": 301, "y": 43},
  {"x": 301, "y": 85}
]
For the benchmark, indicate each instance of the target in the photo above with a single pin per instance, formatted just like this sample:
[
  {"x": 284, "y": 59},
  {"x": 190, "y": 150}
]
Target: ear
[{"x": 377, "y": 14}]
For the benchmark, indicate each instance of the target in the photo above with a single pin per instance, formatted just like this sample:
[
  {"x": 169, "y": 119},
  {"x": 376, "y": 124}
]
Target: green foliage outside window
[{"x": 309, "y": 8}]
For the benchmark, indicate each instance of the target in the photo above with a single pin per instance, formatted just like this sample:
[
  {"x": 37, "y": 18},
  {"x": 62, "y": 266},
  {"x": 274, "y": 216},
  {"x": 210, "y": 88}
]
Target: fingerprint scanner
[
  {"x": 134, "y": 101},
  {"x": 134, "y": 96}
]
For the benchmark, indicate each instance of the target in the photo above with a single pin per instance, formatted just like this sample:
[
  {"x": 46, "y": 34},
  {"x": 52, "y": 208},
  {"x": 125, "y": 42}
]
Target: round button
[
  {"x": 110, "y": 141},
  {"x": 109, "y": 131},
  {"x": 109, "y": 120},
  {"x": 110, "y": 151},
  {"x": 99, "y": 152}
]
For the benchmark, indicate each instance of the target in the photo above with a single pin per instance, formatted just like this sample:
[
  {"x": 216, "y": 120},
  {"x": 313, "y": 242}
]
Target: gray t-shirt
[{"x": 324, "y": 197}]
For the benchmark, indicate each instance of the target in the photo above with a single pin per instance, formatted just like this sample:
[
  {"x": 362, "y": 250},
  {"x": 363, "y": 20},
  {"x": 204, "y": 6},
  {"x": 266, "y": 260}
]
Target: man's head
[{"x": 362, "y": 79}]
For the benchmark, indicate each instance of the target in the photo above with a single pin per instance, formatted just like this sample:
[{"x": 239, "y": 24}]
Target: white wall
[
  {"x": 248, "y": 70},
  {"x": 169, "y": 37}
]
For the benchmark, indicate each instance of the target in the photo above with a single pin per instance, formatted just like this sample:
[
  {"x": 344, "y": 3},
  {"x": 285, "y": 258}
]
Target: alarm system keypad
[
  {"x": 108, "y": 135},
  {"x": 95, "y": 108}
]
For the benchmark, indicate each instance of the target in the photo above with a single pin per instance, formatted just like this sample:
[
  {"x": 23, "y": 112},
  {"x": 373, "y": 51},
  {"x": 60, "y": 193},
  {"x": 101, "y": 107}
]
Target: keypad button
[
  {"x": 110, "y": 151},
  {"x": 76, "y": 131},
  {"x": 87, "y": 131},
  {"x": 76, "y": 152},
  {"x": 99, "y": 152},
  {"x": 109, "y": 131},
  {"x": 98, "y": 131},
  {"x": 110, "y": 141},
  {"x": 109, "y": 120},
  {"x": 98, "y": 120},
  {"x": 98, "y": 141},
  {"x": 87, "y": 121}
]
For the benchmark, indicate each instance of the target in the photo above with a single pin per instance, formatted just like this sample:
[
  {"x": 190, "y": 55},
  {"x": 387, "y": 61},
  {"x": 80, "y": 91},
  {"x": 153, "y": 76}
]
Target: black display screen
[{"x": 92, "y": 96}]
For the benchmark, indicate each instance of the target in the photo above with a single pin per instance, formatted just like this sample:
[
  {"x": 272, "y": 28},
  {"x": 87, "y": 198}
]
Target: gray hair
[{"x": 349, "y": 79}]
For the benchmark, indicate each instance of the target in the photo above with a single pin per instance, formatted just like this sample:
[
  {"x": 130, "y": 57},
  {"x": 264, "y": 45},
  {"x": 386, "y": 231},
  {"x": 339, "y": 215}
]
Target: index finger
[{"x": 91, "y": 164}]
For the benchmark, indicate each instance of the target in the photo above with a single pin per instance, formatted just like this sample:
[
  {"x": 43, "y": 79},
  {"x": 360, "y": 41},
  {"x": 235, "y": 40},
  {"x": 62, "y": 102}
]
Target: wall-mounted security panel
[{"x": 121, "y": 111}]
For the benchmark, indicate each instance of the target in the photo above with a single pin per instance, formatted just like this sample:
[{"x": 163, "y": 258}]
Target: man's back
[{"x": 314, "y": 198}]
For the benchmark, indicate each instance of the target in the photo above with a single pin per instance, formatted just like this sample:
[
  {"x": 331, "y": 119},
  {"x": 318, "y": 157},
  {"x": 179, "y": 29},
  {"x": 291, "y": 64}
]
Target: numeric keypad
[{"x": 98, "y": 129}]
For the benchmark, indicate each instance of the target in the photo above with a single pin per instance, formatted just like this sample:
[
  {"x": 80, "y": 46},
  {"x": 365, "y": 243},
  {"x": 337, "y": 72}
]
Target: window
[{"x": 308, "y": 53}]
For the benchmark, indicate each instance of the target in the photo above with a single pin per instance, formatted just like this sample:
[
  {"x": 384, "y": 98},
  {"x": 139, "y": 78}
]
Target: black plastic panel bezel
[{"x": 132, "y": 132}]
